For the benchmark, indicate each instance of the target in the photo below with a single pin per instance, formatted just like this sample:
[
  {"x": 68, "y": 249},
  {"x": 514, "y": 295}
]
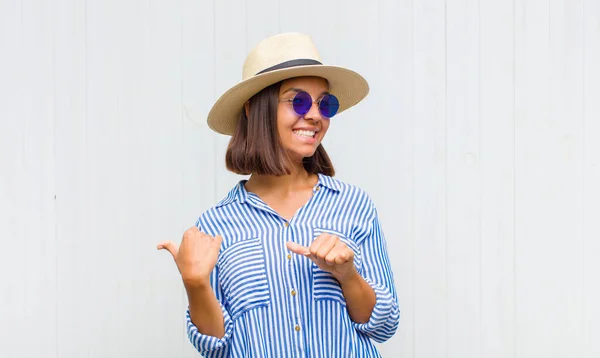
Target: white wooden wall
[{"x": 479, "y": 142}]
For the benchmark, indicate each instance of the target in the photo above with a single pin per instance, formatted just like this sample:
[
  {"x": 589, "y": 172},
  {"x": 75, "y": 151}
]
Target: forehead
[{"x": 308, "y": 84}]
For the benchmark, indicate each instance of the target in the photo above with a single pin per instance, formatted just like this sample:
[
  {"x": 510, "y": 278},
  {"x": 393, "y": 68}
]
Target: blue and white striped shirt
[{"x": 279, "y": 304}]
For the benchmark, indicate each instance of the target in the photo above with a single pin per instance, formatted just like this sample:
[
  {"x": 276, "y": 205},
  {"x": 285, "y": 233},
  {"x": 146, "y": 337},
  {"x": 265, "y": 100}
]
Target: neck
[{"x": 298, "y": 179}]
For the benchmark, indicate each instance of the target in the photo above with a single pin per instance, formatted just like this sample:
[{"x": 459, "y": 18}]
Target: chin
[{"x": 301, "y": 154}]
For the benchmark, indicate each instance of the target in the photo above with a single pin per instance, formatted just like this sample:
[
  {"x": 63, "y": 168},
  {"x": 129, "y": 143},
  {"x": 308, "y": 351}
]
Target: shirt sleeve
[
  {"x": 376, "y": 271},
  {"x": 210, "y": 346}
]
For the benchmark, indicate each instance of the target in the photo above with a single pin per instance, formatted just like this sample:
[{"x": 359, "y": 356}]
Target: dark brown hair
[{"x": 255, "y": 146}]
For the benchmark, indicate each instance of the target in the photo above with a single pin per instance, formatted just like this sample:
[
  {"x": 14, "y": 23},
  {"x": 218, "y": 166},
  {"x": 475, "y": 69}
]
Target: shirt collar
[
  {"x": 240, "y": 194},
  {"x": 329, "y": 182}
]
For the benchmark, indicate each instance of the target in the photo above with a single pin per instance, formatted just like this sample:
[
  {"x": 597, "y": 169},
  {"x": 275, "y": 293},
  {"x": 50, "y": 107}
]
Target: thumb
[
  {"x": 298, "y": 249},
  {"x": 169, "y": 246}
]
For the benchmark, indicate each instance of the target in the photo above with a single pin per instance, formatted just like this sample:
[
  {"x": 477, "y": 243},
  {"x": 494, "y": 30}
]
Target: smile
[{"x": 303, "y": 133}]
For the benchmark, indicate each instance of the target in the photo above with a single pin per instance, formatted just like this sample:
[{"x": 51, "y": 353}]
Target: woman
[{"x": 292, "y": 263}]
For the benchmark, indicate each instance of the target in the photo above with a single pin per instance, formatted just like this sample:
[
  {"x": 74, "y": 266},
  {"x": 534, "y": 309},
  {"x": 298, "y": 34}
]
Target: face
[{"x": 301, "y": 135}]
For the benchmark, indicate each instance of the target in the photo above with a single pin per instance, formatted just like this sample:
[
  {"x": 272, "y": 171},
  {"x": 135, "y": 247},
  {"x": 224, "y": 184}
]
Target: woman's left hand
[{"x": 329, "y": 253}]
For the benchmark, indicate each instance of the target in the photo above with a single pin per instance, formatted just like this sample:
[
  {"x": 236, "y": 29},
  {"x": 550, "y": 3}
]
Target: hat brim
[{"x": 348, "y": 86}]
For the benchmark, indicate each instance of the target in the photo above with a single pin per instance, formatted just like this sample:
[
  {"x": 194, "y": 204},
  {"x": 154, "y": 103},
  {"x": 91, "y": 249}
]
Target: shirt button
[
  {"x": 297, "y": 328},
  {"x": 317, "y": 188},
  {"x": 293, "y": 292},
  {"x": 286, "y": 224},
  {"x": 289, "y": 256}
]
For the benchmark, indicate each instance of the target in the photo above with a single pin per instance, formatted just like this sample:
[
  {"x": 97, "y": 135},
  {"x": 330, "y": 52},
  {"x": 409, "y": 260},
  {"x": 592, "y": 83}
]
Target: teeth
[{"x": 305, "y": 133}]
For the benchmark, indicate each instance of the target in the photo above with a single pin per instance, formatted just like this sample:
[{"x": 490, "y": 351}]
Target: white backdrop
[{"x": 479, "y": 142}]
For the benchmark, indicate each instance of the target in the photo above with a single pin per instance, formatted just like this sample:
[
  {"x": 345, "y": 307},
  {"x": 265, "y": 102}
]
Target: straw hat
[{"x": 278, "y": 58}]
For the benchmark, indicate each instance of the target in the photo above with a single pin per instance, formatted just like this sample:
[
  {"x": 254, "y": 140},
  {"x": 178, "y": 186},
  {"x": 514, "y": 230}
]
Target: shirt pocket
[
  {"x": 325, "y": 286},
  {"x": 243, "y": 277}
]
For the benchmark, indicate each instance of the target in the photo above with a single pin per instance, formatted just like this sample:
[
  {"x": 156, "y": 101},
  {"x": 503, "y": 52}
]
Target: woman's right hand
[{"x": 196, "y": 257}]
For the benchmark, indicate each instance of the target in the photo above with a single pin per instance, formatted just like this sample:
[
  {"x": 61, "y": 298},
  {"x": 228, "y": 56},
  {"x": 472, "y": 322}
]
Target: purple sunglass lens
[
  {"x": 302, "y": 103},
  {"x": 329, "y": 106}
]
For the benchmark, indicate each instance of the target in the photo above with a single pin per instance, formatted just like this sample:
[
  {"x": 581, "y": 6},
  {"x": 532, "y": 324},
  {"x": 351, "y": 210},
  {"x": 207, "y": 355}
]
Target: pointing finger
[
  {"x": 298, "y": 249},
  {"x": 169, "y": 246}
]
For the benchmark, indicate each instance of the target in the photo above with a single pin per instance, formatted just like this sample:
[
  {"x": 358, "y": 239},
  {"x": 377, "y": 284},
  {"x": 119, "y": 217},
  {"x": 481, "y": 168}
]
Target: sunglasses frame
[{"x": 318, "y": 102}]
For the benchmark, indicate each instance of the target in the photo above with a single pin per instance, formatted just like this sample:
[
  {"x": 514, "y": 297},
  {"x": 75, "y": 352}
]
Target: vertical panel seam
[
  {"x": 514, "y": 248},
  {"x": 446, "y": 288},
  {"x": 214, "y": 139},
  {"x": 479, "y": 153},
  {"x": 182, "y": 136},
  {"x": 412, "y": 37},
  {"x": 583, "y": 177},
  {"x": 54, "y": 151}
]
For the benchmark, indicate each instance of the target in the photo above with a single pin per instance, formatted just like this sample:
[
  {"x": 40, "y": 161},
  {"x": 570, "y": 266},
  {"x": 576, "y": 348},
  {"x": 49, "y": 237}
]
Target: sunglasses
[{"x": 302, "y": 102}]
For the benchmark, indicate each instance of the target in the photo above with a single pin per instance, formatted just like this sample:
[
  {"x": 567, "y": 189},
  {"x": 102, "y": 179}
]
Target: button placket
[{"x": 292, "y": 296}]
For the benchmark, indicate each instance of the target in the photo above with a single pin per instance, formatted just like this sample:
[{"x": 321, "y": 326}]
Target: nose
[{"x": 313, "y": 113}]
